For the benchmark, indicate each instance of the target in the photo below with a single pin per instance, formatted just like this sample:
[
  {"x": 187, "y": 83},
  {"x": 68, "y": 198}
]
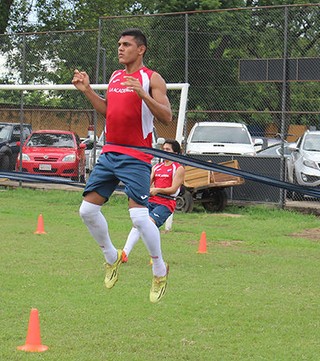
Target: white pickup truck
[{"x": 221, "y": 138}]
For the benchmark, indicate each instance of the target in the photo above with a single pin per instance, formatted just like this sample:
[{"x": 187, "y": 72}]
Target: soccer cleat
[
  {"x": 124, "y": 257},
  {"x": 112, "y": 271},
  {"x": 158, "y": 287}
]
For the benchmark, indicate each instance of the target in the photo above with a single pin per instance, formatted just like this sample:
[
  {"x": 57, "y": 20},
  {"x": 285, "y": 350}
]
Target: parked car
[
  {"x": 303, "y": 165},
  {"x": 221, "y": 138},
  {"x": 275, "y": 150},
  {"x": 54, "y": 153},
  {"x": 89, "y": 142},
  {"x": 156, "y": 143},
  {"x": 10, "y": 134},
  {"x": 93, "y": 159}
]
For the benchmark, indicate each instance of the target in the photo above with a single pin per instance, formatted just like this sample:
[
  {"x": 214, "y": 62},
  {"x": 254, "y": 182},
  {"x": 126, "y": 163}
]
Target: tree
[{"x": 5, "y": 7}]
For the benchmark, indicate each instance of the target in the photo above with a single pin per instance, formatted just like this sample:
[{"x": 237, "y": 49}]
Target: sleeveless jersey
[
  {"x": 163, "y": 177},
  {"x": 128, "y": 121}
]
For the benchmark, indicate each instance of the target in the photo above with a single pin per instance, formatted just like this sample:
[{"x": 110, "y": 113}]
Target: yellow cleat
[
  {"x": 158, "y": 287},
  {"x": 112, "y": 271}
]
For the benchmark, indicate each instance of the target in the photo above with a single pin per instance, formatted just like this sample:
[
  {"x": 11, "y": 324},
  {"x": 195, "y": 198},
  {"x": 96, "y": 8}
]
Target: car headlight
[
  {"x": 25, "y": 156},
  {"x": 193, "y": 152},
  {"x": 310, "y": 163},
  {"x": 69, "y": 158}
]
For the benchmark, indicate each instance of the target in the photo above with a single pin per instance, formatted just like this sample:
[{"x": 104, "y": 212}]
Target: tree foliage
[
  {"x": 57, "y": 44},
  {"x": 5, "y": 6}
]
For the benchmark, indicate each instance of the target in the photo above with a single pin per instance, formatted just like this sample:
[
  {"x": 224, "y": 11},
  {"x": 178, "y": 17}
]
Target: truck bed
[{"x": 201, "y": 178}]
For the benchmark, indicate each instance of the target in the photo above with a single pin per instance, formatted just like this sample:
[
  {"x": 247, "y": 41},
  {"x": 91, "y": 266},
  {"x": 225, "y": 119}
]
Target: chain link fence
[{"x": 258, "y": 66}]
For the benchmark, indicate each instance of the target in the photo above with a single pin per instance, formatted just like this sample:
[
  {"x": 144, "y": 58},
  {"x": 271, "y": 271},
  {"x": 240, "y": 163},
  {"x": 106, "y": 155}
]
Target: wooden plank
[
  {"x": 200, "y": 178},
  {"x": 196, "y": 177},
  {"x": 220, "y": 178}
]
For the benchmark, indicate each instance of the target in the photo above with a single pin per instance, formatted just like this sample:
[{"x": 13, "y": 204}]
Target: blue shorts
[
  {"x": 112, "y": 168},
  {"x": 159, "y": 213}
]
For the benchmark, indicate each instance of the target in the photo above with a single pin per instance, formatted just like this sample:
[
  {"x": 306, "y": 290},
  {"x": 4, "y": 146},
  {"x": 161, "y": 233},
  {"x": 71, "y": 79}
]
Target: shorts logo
[{"x": 144, "y": 197}]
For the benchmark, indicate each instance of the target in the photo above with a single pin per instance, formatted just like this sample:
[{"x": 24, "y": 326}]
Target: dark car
[{"x": 10, "y": 134}]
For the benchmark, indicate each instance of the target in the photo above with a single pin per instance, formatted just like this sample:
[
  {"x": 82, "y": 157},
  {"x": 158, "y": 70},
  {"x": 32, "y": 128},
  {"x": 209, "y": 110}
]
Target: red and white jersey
[
  {"x": 163, "y": 178},
  {"x": 128, "y": 121}
]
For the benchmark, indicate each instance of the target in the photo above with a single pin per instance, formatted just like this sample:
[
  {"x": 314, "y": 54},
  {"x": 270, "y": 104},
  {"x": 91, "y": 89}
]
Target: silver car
[
  {"x": 275, "y": 150},
  {"x": 303, "y": 164},
  {"x": 156, "y": 143}
]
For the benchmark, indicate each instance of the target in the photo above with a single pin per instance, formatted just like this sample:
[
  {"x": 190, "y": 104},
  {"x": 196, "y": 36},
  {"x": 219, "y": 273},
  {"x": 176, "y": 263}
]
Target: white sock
[
  {"x": 133, "y": 238},
  {"x": 98, "y": 227},
  {"x": 151, "y": 237}
]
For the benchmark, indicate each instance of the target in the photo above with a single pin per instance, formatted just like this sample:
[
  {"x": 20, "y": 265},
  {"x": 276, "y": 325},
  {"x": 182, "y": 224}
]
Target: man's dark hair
[
  {"x": 137, "y": 34},
  {"x": 174, "y": 144}
]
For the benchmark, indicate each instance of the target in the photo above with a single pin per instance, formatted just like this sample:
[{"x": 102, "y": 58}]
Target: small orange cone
[
  {"x": 203, "y": 243},
  {"x": 33, "y": 340},
  {"x": 40, "y": 227}
]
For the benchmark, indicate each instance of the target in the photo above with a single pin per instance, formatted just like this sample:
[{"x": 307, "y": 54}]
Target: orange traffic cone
[
  {"x": 203, "y": 243},
  {"x": 33, "y": 340},
  {"x": 40, "y": 227}
]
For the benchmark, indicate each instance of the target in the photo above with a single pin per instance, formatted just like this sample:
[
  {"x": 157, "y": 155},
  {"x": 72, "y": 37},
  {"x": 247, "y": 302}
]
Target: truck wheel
[
  {"x": 5, "y": 163},
  {"x": 216, "y": 201},
  {"x": 184, "y": 202}
]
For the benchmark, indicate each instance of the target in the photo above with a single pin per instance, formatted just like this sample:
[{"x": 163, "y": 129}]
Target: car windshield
[
  {"x": 54, "y": 140},
  {"x": 275, "y": 150},
  {"x": 211, "y": 134},
  {"x": 312, "y": 143},
  {"x": 4, "y": 132}
]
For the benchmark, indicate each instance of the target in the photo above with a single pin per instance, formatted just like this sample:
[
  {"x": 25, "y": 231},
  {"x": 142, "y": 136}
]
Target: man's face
[{"x": 128, "y": 49}]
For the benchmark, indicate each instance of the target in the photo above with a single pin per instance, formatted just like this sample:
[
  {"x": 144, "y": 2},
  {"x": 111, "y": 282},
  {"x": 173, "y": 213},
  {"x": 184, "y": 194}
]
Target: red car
[{"x": 54, "y": 153}]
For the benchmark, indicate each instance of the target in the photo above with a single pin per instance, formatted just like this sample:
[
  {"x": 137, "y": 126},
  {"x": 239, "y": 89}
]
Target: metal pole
[
  {"x": 97, "y": 82},
  {"x": 104, "y": 76},
  {"x": 186, "y": 77},
  {"x": 21, "y": 113},
  {"x": 284, "y": 104}
]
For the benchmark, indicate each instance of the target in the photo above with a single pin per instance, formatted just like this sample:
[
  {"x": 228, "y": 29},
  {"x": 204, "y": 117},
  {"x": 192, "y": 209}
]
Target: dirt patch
[
  {"x": 229, "y": 243},
  {"x": 313, "y": 234},
  {"x": 228, "y": 215},
  {"x": 220, "y": 243}
]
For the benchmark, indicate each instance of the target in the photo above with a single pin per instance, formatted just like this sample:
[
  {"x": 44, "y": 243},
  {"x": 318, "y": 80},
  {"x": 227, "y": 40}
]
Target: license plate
[{"x": 44, "y": 166}]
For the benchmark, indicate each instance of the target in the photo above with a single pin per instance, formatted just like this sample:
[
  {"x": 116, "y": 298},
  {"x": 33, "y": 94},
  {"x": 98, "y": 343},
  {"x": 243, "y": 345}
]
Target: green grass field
[{"x": 253, "y": 296}]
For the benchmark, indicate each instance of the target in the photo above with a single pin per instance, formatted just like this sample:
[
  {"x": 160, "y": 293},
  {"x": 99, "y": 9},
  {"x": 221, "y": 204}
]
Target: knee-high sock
[
  {"x": 151, "y": 237},
  {"x": 133, "y": 238},
  {"x": 98, "y": 227}
]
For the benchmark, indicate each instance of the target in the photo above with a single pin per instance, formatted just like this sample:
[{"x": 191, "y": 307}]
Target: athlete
[
  {"x": 135, "y": 96},
  {"x": 166, "y": 180}
]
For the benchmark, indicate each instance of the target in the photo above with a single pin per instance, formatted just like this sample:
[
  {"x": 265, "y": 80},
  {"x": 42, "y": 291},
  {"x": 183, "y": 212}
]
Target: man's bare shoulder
[{"x": 157, "y": 79}]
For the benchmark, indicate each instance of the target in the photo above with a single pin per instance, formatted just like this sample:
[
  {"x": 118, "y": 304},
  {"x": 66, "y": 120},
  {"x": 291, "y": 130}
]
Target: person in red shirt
[
  {"x": 135, "y": 96},
  {"x": 166, "y": 180}
]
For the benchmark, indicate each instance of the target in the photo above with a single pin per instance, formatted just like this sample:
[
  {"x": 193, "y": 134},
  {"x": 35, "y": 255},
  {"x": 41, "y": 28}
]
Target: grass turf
[{"x": 253, "y": 296}]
